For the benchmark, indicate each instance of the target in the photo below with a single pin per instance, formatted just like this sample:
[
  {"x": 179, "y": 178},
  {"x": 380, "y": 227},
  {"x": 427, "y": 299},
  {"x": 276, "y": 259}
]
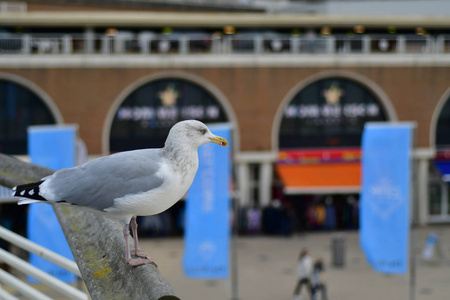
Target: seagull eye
[{"x": 202, "y": 131}]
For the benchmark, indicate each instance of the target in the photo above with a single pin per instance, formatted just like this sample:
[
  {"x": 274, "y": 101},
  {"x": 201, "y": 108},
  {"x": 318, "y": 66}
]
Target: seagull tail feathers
[
  {"x": 27, "y": 201},
  {"x": 29, "y": 193}
]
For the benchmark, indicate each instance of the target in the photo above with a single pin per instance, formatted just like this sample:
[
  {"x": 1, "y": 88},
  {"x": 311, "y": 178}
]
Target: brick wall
[{"x": 85, "y": 95}]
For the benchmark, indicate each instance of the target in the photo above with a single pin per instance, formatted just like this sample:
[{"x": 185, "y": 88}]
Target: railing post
[
  {"x": 216, "y": 44},
  {"x": 184, "y": 44},
  {"x": 26, "y": 44},
  {"x": 366, "y": 44},
  {"x": 439, "y": 44},
  {"x": 89, "y": 37},
  {"x": 331, "y": 44},
  {"x": 105, "y": 44},
  {"x": 118, "y": 42},
  {"x": 295, "y": 44},
  {"x": 258, "y": 44},
  {"x": 227, "y": 45},
  {"x": 429, "y": 48},
  {"x": 401, "y": 44},
  {"x": 67, "y": 44},
  {"x": 144, "y": 43}
]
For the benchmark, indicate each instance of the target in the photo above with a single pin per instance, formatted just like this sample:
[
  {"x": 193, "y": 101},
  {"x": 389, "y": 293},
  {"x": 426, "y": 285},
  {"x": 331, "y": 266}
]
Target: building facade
[{"x": 297, "y": 105}]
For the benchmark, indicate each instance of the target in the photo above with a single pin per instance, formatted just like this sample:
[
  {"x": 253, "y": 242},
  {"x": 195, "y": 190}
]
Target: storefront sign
[
  {"x": 323, "y": 114},
  {"x": 319, "y": 156},
  {"x": 145, "y": 115}
]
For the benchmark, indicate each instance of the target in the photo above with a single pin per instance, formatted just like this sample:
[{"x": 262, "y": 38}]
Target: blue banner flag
[
  {"x": 385, "y": 195},
  {"x": 207, "y": 230},
  {"x": 51, "y": 146}
]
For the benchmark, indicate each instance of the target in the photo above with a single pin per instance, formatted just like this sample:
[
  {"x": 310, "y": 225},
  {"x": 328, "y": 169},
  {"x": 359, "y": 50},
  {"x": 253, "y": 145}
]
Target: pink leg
[
  {"x": 137, "y": 252},
  {"x": 131, "y": 261}
]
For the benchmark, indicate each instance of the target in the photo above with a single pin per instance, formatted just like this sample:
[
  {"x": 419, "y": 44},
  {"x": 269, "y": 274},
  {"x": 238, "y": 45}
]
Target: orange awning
[{"x": 320, "y": 178}]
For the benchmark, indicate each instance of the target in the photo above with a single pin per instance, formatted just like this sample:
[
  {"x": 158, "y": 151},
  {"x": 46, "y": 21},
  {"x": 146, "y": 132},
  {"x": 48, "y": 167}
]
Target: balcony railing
[{"x": 29, "y": 44}]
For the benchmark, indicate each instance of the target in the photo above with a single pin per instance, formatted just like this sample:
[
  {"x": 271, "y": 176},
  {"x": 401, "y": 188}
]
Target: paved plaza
[{"x": 267, "y": 269}]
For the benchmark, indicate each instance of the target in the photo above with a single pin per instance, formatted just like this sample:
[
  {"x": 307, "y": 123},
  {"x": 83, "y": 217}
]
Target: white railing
[
  {"x": 12, "y": 6},
  {"x": 182, "y": 44},
  {"x": 26, "y": 268}
]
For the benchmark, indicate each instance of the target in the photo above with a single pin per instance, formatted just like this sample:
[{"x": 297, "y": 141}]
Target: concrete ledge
[{"x": 286, "y": 60}]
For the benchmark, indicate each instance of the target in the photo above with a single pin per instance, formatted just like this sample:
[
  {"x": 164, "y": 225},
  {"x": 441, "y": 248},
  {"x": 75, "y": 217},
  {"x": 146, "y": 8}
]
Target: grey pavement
[{"x": 267, "y": 269}]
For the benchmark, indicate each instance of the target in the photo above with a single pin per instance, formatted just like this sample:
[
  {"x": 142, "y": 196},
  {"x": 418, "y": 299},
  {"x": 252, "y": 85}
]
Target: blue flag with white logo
[
  {"x": 385, "y": 195},
  {"x": 52, "y": 147},
  {"x": 207, "y": 230}
]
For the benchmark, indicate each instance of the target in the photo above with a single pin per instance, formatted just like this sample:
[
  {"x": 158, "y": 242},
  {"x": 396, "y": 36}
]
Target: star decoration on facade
[
  {"x": 333, "y": 94},
  {"x": 168, "y": 96}
]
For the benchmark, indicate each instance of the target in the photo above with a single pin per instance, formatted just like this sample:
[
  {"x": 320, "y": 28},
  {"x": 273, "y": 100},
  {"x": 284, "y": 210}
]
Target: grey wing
[{"x": 97, "y": 183}]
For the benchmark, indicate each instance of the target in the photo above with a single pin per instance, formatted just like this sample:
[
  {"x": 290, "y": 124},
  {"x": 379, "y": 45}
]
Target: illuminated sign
[{"x": 328, "y": 113}]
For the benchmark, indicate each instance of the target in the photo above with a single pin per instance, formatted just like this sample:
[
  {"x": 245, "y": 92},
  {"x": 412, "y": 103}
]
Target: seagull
[{"x": 128, "y": 184}]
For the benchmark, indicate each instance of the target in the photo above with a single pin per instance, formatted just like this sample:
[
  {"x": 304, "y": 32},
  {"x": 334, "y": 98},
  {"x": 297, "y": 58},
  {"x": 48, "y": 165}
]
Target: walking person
[
  {"x": 318, "y": 280},
  {"x": 304, "y": 272}
]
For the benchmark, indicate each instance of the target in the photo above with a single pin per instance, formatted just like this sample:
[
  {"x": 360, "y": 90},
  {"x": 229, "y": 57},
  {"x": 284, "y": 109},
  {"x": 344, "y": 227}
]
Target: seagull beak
[{"x": 219, "y": 140}]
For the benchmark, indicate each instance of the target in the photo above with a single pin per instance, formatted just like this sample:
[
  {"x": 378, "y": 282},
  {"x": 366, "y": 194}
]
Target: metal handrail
[
  {"x": 43, "y": 252},
  {"x": 19, "y": 285},
  {"x": 25, "y": 267},
  {"x": 56, "y": 284}
]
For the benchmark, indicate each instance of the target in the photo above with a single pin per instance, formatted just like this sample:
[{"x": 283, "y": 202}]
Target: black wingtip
[{"x": 30, "y": 190}]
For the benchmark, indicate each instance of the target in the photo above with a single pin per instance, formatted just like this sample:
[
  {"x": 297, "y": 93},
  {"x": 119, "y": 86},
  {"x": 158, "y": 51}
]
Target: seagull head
[{"x": 193, "y": 132}]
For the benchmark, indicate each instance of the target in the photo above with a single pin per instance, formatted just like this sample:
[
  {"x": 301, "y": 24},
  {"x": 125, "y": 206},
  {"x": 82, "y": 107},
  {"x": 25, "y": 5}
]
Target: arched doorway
[
  {"x": 442, "y": 138},
  {"x": 318, "y": 141},
  {"x": 22, "y": 104},
  {"x": 146, "y": 115},
  {"x": 439, "y": 176},
  {"x": 20, "y": 107}
]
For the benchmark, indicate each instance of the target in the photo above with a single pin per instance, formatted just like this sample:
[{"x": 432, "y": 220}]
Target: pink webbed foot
[
  {"x": 144, "y": 255},
  {"x": 139, "y": 261}
]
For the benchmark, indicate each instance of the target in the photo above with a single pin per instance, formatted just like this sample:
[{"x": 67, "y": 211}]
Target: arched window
[
  {"x": 330, "y": 112},
  {"x": 320, "y": 136},
  {"x": 19, "y": 108},
  {"x": 439, "y": 183},
  {"x": 144, "y": 118},
  {"x": 443, "y": 127}
]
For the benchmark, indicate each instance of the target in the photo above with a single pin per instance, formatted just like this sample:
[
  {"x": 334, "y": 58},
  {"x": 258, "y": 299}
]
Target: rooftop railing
[{"x": 184, "y": 44}]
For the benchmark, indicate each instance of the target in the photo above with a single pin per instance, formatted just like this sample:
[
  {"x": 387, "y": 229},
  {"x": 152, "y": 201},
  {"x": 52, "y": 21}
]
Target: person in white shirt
[{"x": 304, "y": 272}]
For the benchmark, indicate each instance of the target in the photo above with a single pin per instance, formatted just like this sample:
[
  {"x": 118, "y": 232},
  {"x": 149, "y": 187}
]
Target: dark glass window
[
  {"x": 19, "y": 108},
  {"x": 443, "y": 127},
  {"x": 330, "y": 112},
  {"x": 145, "y": 117}
]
